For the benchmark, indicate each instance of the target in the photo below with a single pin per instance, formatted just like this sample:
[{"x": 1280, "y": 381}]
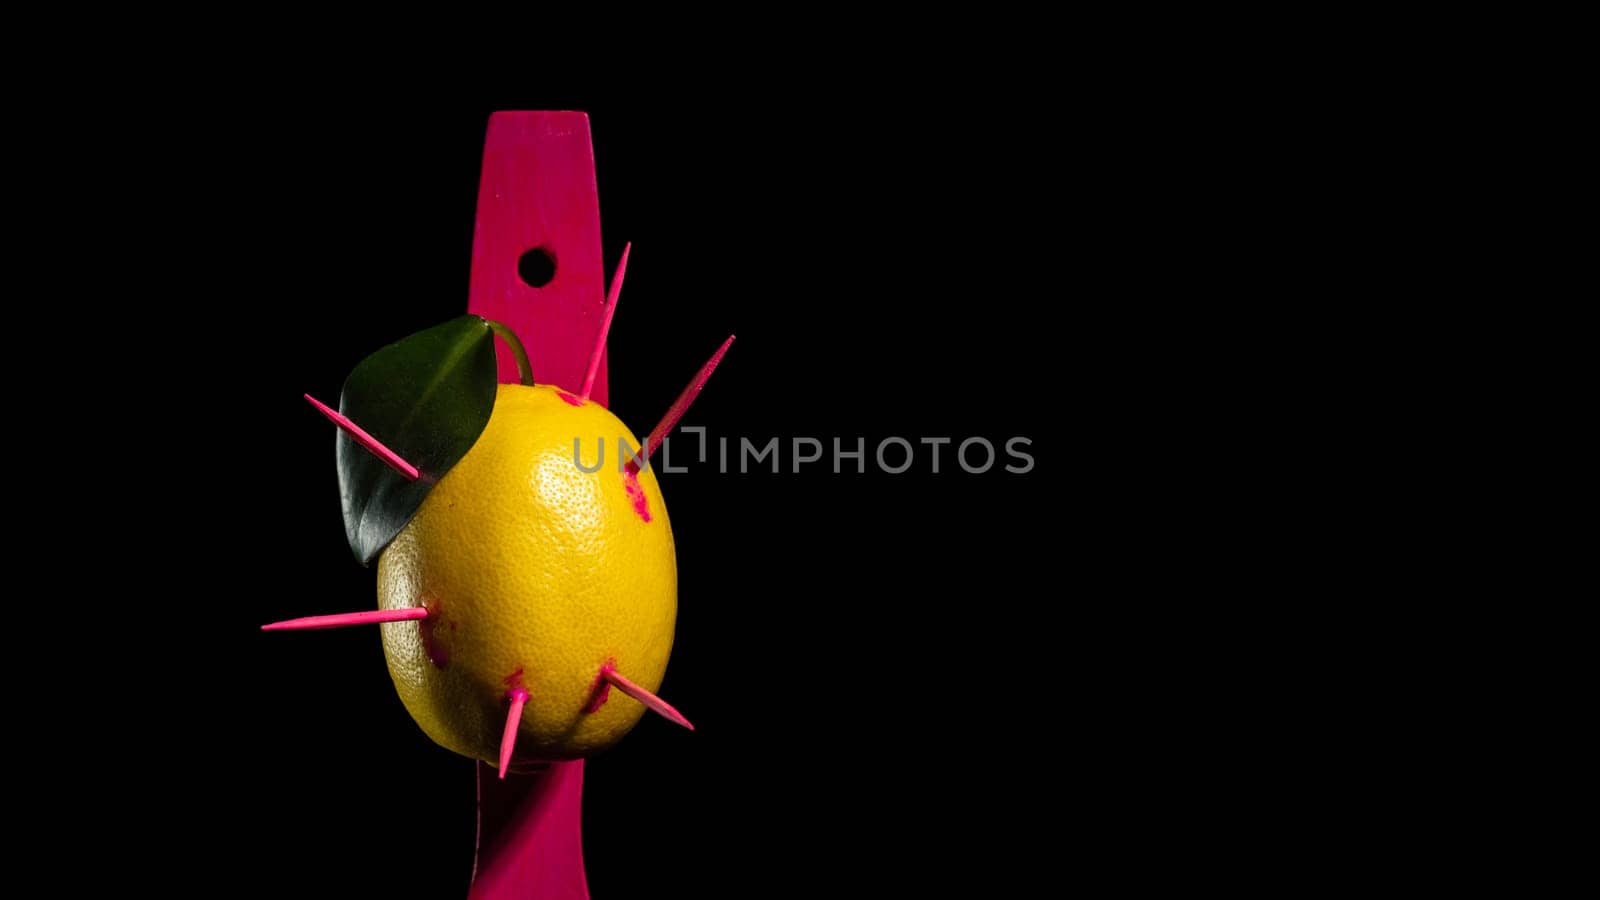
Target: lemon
[{"x": 535, "y": 574}]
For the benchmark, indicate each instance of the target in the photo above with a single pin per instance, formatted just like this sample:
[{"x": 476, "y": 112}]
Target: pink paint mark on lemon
[
  {"x": 600, "y": 691},
  {"x": 571, "y": 399},
  {"x": 630, "y": 481},
  {"x": 438, "y": 654}
]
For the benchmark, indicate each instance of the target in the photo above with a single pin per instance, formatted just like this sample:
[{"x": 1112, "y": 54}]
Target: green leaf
[{"x": 427, "y": 397}]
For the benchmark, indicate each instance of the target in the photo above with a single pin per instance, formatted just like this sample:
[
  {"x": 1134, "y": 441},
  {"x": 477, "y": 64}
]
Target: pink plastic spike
[
  {"x": 643, "y": 696},
  {"x": 605, "y": 322},
  {"x": 366, "y": 440},
  {"x": 508, "y": 739},
  {"x": 681, "y": 405},
  {"x": 339, "y": 620}
]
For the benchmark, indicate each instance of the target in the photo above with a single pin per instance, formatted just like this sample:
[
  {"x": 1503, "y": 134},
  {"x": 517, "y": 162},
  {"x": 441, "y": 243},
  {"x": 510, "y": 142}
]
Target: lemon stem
[{"x": 524, "y": 370}]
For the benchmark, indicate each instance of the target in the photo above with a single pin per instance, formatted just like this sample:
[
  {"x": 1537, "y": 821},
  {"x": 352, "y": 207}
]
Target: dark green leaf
[{"x": 427, "y": 398}]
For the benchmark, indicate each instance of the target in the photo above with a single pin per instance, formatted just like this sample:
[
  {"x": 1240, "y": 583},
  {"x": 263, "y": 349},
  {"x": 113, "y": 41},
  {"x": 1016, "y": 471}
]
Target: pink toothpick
[
  {"x": 508, "y": 740},
  {"x": 340, "y": 620},
  {"x": 366, "y": 440},
  {"x": 681, "y": 405},
  {"x": 643, "y": 696},
  {"x": 605, "y": 322}
]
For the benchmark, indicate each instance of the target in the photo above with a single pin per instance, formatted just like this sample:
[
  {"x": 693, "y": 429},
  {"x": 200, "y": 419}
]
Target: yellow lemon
[{"x": 535, "y": 574}]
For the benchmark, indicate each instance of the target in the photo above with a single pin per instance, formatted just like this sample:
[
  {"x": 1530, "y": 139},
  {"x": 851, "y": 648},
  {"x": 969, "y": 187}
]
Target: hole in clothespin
[{"x": 537, "y": 267}]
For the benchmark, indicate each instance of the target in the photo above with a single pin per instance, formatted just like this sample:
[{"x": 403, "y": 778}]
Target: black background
[
  {"x": 1199, "y": 269},
  {"x": 897, "y": 680}
]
